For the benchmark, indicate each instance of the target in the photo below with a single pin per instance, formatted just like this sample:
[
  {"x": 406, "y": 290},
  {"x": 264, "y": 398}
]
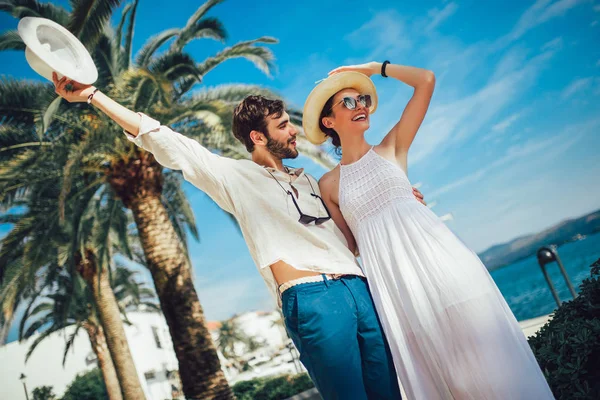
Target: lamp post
[
  {"x": 22, "y": 379},
  {"x": 547, "y": 255}
]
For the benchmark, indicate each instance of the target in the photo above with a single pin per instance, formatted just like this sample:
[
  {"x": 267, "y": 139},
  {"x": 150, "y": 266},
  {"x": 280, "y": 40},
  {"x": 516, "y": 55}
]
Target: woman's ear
[{"x": 327, "y": 123}]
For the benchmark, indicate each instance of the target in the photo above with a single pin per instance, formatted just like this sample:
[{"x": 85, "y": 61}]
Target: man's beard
[{"x": 281, "y": 150}]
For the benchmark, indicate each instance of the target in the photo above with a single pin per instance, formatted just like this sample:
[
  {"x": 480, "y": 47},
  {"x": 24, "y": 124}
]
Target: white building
[
  {"x": 276, "y": 356},
  {"x": 152, "y": 352},
  {"x": 149, "y": 342}
]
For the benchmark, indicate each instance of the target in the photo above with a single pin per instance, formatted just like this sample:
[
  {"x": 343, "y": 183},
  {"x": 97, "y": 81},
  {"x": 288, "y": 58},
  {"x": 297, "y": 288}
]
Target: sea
[{"x": 523, "y": 285}]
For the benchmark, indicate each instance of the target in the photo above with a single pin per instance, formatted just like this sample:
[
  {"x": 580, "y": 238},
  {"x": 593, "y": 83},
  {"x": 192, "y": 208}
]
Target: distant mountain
[{"x": 566, "y": 231}]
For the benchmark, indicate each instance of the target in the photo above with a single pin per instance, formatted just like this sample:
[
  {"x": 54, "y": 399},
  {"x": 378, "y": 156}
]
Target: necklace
[{"x": 290, "y": 183}]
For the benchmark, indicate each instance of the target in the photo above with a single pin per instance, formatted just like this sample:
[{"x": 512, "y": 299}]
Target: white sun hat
[
  {"x": 324, "y": 90},
  {"x": 52, "y": 48}
]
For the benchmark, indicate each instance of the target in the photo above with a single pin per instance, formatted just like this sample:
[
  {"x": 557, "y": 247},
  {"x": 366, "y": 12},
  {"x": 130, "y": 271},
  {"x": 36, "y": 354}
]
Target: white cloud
[
  {"x": 558, "y": 9},
  {"x": 385, "y": 34},
  {"x": 502, "y": 126},
  {"x": 512, "y": 61},
  {"x": 575, "y": 87},
  {"x": 513, "y": 153},
  {"x": 439, "y": 16},
  {"x": 456, "y": 121},
  {"x": 534, "y": 204},
  {"x": 474, "y": 177},
  {"x": 453, "y": 63},
  {"x": 597, "y": 8},
  {"x": 594, "y": 23},
  {"x": 301, "y": 79},
  {"x": 540, "y": 12},
  {"x": 553, "y": 147},
  {"x": 554, "y": 45}
]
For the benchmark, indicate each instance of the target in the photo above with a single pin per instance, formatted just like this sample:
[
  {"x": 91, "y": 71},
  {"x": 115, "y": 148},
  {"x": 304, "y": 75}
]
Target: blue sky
[{"x": 510, "y": 143}]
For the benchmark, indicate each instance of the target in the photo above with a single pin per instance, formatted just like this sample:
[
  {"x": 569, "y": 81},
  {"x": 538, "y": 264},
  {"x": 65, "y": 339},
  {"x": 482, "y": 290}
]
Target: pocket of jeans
[
  {"x": 312, "y": 309},
  {"x": 290, "y": 311}
]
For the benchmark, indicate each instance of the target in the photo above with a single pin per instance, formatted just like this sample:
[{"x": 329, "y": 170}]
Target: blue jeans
[{"x": 336, "y": 330}]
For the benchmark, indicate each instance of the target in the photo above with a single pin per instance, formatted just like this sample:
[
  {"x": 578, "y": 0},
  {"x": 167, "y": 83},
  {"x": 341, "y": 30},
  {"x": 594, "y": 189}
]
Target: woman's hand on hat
[
  {"x": 368, "y": 69},
  {"x": 68, "y": 89}
]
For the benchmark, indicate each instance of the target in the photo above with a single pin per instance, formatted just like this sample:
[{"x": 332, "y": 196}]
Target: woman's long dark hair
[{"x": 335, "y": 138}]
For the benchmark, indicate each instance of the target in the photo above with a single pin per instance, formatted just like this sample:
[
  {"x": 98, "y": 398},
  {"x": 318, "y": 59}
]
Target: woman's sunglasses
[{"x": 350, "y": 102}]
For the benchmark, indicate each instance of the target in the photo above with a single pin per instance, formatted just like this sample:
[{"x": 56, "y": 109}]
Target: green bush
[
  {"x": 301, "y": 383},
  {"x": 43, "y": 393},
  {"x": 276, "y": 388},
  {"x": 568, "y": 346},
  {"x": 89, "y": 386}
]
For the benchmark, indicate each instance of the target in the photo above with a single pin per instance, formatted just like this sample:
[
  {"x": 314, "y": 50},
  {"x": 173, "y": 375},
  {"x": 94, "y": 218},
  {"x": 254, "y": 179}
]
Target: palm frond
[
  {"x": 10, "y": 40},
  {"x": 35, "y": 326},
  {"x": 144, "y": 56},
  {"x": 174, "y": 66},
  {"x": 180, "y": 211},
  {"x": 38, "y": 340},
  {"x": 15, "y": 286},
  {"x": 14, "y": 138},
  {"x": 40, "y": 308},
  {"x": 210, "y": 28},
  {"x": 231, "y": 94},
  {"x": 118, "y": 38},
  {"x": 69, "y": 343},
  {"x": 260, "y": 56},
  {"x": 32, "y": 8},
  {"x": 106, "y": 58},
  {"x": 20, "y": 101},
  {"x": 126, "y": 59},
  {"x": 189, "y": 28},
  {"x": 49, "y": 114},
  {"x": 140, "y": 89},
  {"x": 19, "y": 173},
  {"x": 89, "y": 17},
  {"x": 318, "y": 154}
]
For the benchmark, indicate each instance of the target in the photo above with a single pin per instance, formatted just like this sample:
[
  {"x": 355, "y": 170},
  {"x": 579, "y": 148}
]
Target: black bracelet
[
  {"x": 386, "y": 62},
  {"x": 89, "y": 99}
]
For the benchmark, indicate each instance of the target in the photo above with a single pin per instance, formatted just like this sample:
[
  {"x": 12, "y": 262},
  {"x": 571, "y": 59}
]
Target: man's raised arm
[
  {"x": 127, "y": 119},
  {"x": 205, "y": 170}
]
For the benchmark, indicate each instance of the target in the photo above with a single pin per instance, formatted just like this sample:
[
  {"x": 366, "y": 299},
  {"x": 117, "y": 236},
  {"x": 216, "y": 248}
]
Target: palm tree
[
  {"x": 69, "y": 302},
  {"x": 160, "y": 85},
  {"x": 40, "y": 248},
  {"x": 280, "y": 324},
  {"x": 230, "y": 334}
]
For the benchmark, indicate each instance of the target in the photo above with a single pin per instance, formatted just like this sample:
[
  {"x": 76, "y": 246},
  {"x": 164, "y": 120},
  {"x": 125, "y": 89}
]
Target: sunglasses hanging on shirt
[{"x": 306, "y": 219}]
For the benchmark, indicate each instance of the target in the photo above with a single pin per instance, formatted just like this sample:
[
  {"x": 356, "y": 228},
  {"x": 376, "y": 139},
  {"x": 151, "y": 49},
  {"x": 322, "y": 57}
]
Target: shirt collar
[{"x": 289, "y": 170}]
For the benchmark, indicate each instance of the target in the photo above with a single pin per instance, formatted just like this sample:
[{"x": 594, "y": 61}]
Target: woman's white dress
[{"x": 451, "y": 333}]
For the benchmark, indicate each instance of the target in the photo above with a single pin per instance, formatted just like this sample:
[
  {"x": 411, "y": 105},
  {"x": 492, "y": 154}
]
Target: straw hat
[
  {"x": 327, "y": 88},
  {"x": 52, "y": 48}
]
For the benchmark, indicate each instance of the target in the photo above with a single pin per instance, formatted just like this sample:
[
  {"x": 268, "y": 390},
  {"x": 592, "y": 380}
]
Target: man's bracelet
[{"x": 89, "y": 100}]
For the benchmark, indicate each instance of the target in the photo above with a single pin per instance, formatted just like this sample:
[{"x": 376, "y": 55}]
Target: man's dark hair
[{"x": 251, "y": 115}]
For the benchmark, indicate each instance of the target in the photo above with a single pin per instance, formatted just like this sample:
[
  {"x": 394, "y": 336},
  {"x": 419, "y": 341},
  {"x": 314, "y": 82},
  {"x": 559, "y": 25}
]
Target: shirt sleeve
[{"x": 202, "y": 168}]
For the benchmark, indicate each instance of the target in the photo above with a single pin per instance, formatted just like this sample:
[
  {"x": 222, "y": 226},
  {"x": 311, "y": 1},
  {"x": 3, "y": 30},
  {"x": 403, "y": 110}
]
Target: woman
[{"x": 451, "y": 333}]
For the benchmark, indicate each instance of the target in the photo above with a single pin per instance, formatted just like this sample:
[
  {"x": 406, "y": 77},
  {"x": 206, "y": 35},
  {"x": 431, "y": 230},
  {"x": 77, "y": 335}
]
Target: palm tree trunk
[
  {"x": 98, "y": 341},
  {"x": 110, "y": 318},
  {"x": 199, "y": 366}
]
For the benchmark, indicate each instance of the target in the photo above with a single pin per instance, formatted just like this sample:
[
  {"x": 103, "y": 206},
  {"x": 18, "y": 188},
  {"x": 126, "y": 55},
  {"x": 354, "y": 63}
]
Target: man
[{"x": 298, "y": 250}]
